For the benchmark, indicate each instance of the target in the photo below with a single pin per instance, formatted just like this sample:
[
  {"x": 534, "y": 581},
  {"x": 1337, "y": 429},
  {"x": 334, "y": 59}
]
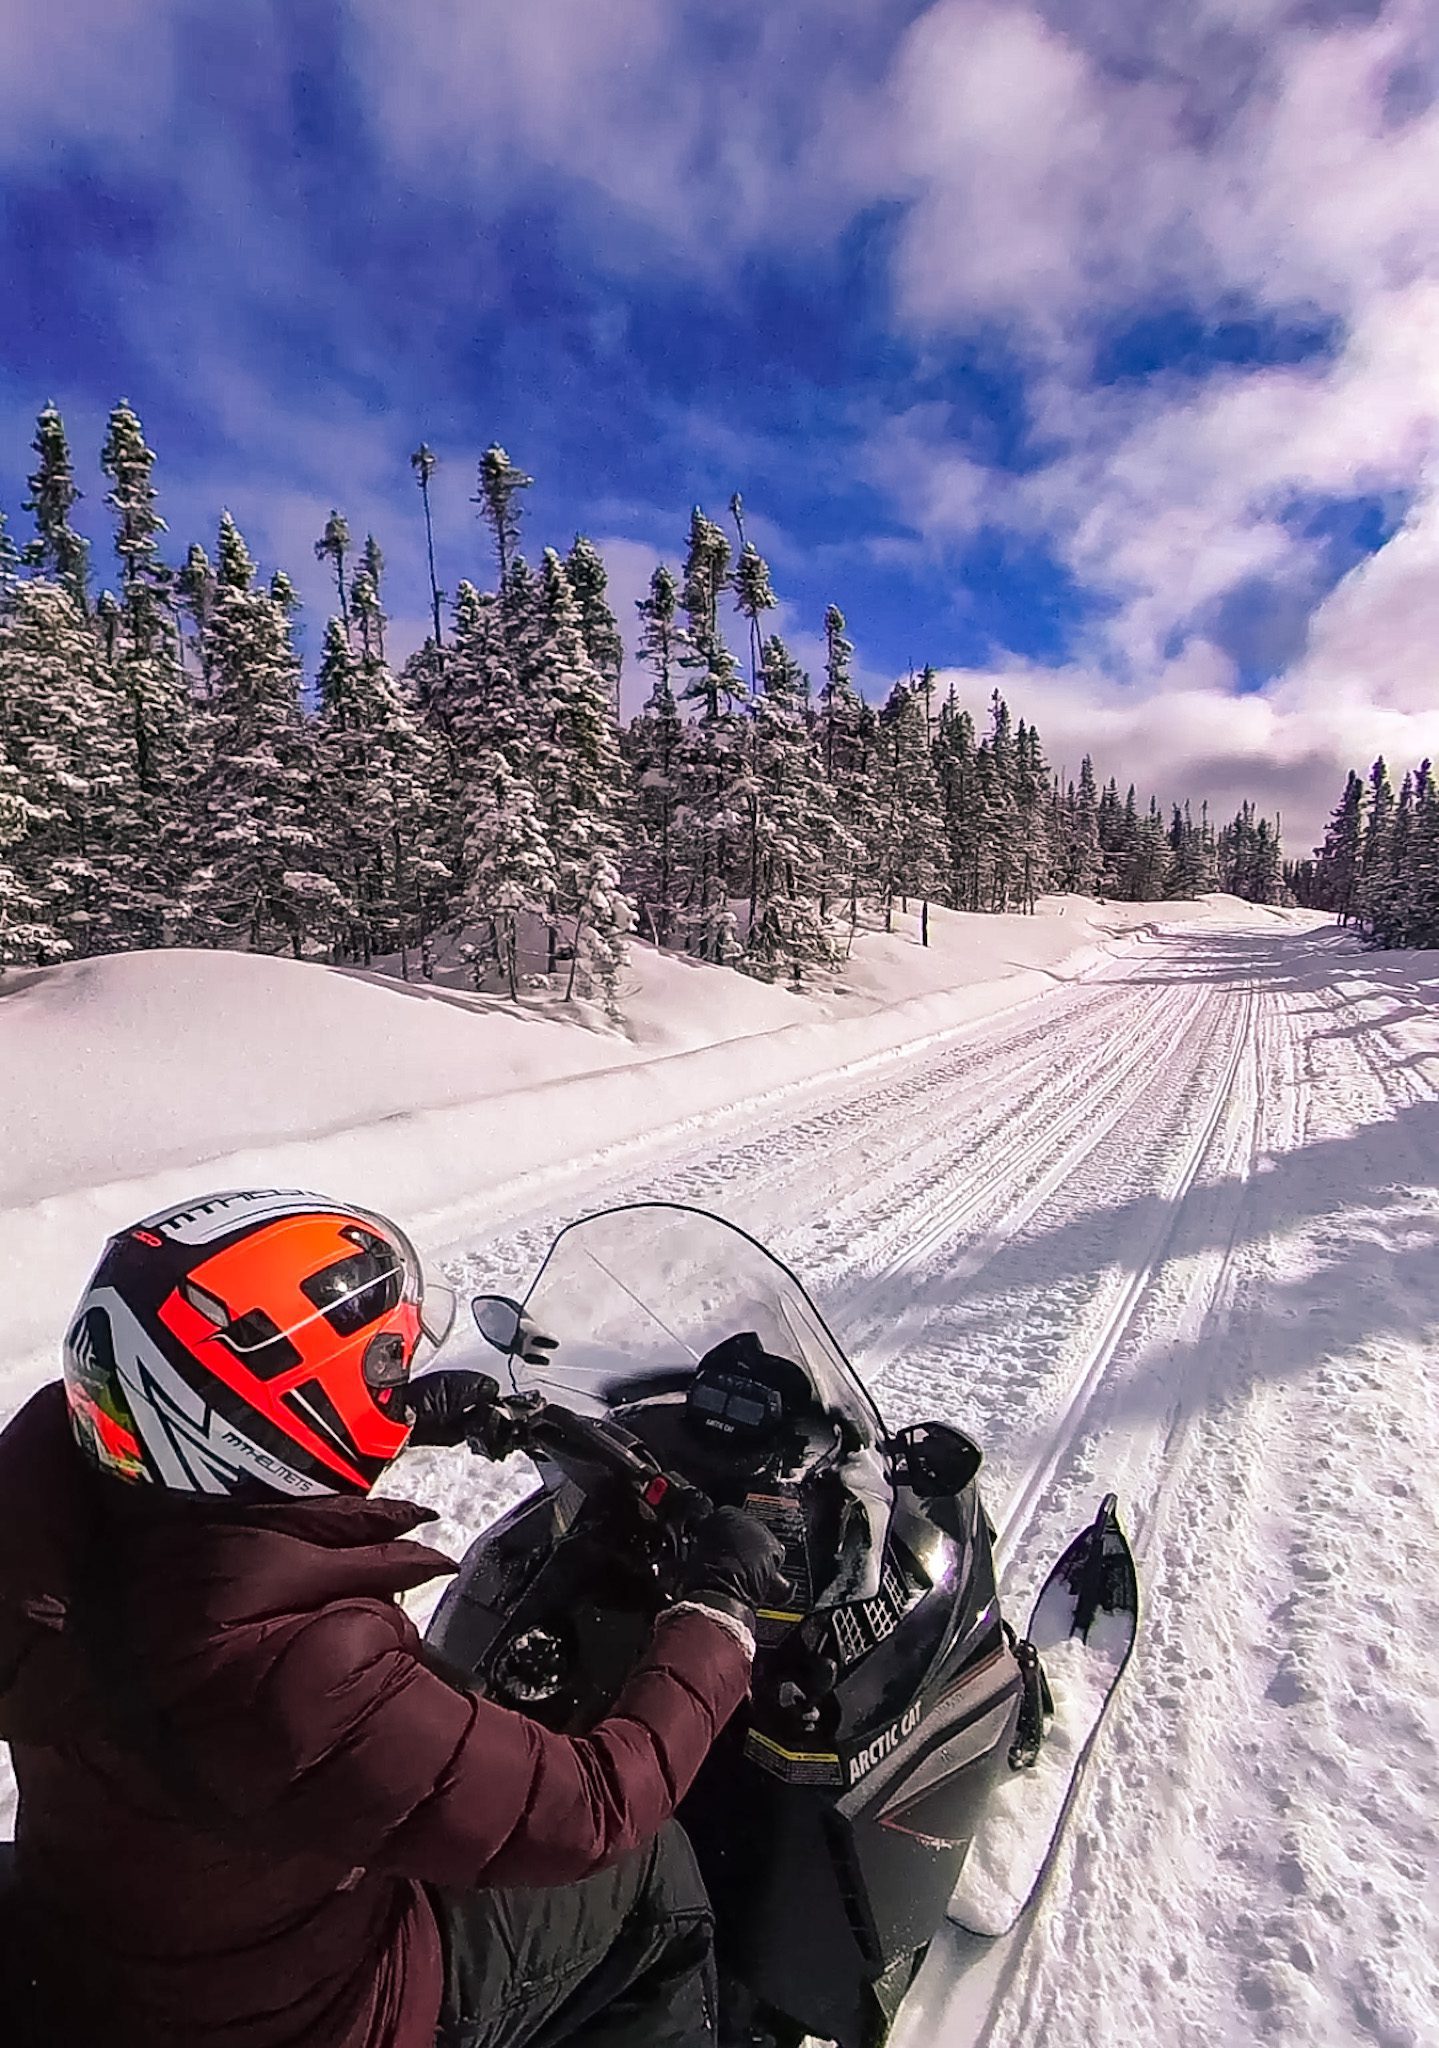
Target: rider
[{"x": 253, "y": 1813}]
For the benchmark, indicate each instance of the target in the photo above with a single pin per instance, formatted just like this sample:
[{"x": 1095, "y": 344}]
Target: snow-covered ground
[{"x": 1169, "y": 1226}]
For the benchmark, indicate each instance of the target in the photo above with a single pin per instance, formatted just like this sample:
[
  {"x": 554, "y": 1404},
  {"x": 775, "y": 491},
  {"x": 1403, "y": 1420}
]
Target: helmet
[{"x": 253, "y": 1344}]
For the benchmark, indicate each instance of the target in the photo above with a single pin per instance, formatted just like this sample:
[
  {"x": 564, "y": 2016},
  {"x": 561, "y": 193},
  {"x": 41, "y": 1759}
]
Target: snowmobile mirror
[
  {"x": 936, "y": 1459},
  {"x": 498, "y": 1321}
]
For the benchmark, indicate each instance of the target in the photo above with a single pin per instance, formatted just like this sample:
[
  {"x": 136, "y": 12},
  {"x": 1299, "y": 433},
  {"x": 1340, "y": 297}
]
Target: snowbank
[{"x": 134, "y": 1080}]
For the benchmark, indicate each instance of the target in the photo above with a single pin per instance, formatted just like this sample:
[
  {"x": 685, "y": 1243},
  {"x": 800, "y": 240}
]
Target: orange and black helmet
[{"x": 252, "y": 1344}]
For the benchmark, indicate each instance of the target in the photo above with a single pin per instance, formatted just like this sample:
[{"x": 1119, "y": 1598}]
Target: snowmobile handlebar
[{"x": 596, "y": 1455}]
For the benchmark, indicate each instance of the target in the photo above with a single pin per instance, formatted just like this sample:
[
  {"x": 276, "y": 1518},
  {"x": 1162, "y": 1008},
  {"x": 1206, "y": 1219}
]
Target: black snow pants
[{"x": 624, "y": 1959}]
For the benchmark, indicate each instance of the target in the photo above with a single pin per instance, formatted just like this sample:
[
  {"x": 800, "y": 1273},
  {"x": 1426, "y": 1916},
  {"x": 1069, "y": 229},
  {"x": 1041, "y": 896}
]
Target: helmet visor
[{"x": 376, "y": 1284}]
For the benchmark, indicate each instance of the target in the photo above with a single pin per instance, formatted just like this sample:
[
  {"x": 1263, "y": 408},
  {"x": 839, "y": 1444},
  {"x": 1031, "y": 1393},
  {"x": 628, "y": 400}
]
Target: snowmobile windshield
[{"x": 638, "y": 1296}]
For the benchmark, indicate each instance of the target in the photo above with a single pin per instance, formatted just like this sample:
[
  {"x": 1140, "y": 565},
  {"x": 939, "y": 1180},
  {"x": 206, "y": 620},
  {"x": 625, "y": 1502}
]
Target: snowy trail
[
  {"x": 1174, "y": 1230},
  {"x": 1171, "y": 1229}
]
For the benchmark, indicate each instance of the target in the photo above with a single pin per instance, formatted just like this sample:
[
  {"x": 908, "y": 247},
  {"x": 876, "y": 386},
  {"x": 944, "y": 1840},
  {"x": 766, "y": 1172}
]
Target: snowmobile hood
[{"x": 191, "y": 1569}]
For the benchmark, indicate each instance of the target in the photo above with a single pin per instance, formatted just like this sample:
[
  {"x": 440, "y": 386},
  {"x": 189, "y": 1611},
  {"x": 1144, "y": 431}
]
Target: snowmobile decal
[
  {"x": 962, "y": 1719},
  {"x": 884, "y": 1744},
  {"x": 956, "y": 1754},
  {"x": 794, "y": 1766}
]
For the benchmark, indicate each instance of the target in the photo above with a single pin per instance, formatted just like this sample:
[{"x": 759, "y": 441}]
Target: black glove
[
  {"x": 734, "y": 1556},
  {"x": 455, "y": 1407}
]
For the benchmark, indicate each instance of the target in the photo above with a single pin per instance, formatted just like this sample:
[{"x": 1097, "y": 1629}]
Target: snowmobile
[{"x": 662, "y": 1362}]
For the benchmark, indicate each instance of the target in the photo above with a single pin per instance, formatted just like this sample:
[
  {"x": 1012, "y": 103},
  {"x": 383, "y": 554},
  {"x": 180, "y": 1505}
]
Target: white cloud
[
  {"x": 1045, "y": 183},
  {"x": 709, "y": 129},
  {"x": 1192, "y": 738},
  {"x": 63, "y": 75},
  {"x": 1057, "y": 175}
]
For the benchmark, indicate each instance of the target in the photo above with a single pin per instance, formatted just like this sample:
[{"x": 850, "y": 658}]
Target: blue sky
[{"x": 1087, "y": 349}]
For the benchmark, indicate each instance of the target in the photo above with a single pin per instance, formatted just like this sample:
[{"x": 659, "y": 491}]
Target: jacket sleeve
[{"x": 390, "y": 1767}]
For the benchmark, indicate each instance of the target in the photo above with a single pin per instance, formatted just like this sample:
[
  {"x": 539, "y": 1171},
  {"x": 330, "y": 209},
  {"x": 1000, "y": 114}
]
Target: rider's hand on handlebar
[
  {"x": 734, "y": 1555},
  {"x": 455, "y": 1407}
]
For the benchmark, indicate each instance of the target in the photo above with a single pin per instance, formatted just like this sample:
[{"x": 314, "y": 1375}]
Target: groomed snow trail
[{"x": 1172, "y": 1230}]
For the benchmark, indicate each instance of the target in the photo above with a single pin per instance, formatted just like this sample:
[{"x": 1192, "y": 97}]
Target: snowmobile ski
[{"x": 1083, "y": 1629}]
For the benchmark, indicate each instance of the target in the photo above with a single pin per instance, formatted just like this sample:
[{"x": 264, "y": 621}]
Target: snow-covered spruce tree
[
  {"x": 714, "y": 793},
  {"x": 1339, "y": 857},
  {"x": 1031, "y": 795},
  {"x": 1146, "y": 878},
  {"x": 844, "y": 729},
  {"x": 1189, "y": 869},
  {"x": 498, "y": 496},
  {"x": 365, "y": 599},
  {"x": 377, "y": 772},
  {"x": 590, "y": 584},
  {"x": 1251, "y": 859},
  {"x": 526, "y": 624},
  {"x": 264, "y": 882},
  {"x": 1082, "y": 865},
  {"x": 1268, "y": 879},
  {"x": 333, "y": 546},
  {"x": 195, "y": 597},
  {"x": 1375, "y": 850},
  {"x": 909, "y": 851},
  {"x": 23, "y": 936},
  {"x": 793, "y": 821},
  {"x": 579, "y": 781},
  {"x": 706, "y": 578},
  {"x": 472, "y": 705},
  {"x": 470, "y": 702},
  {"x": 56, "y": 546},
  {"x": 1422, "y": 886},
  {"x": 69, "y": 736},
  {"x": 653, "y": 747},
  {"x": 1003, "y": 830},
  {"x": 606, "y": 915},
  {"x": 753, "y": 597},
  {"x": 509, "y": 873},
  {"x": 1387, "y": 894},
  {"x": 144, "y": 651},
  {"x": 956, "y": 771},
  {"x": 492, "y": 817},
  {"x": 1236, "y": 853},
  {"x": 9, "y": 561},
  {"x": 1118, "y": 828}
]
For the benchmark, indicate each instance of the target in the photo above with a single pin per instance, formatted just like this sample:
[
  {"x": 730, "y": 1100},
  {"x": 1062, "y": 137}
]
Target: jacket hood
[{"x": 192, "y": 1566}]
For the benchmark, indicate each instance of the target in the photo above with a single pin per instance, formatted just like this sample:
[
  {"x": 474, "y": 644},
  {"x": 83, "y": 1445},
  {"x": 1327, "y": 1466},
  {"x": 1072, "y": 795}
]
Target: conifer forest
[
  {"x": 169, "y": 776},
  {"x": 1378, "y": 868}
]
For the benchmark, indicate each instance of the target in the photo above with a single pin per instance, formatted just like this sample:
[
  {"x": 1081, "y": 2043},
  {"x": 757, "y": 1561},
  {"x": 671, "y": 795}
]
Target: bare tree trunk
[{"x": 430, "y": 546}]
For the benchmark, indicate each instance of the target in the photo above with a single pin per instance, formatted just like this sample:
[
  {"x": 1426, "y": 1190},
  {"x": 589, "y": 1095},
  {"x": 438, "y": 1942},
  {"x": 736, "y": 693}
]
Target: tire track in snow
[
  {"x": 1121, "y": 1317},
  {"x": 1031, "y": 1168},
  {"x": 1269, "y": 1781},
  {"x": 971, "y": 1991}
]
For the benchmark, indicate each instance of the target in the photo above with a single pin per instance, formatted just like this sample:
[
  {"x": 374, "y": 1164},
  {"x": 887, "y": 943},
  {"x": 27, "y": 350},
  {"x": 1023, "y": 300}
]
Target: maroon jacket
[{"x": 275, "y": 1652}]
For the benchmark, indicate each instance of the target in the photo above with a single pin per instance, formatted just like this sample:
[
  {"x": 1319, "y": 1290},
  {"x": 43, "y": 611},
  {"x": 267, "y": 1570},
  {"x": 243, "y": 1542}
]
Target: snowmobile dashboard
[
  {"x": 739, "y": 1415},
  {"x": 748, "y": 1394}
]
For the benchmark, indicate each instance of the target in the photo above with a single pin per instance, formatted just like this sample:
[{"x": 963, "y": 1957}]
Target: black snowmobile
[{"x": 663, "y": 1361}]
